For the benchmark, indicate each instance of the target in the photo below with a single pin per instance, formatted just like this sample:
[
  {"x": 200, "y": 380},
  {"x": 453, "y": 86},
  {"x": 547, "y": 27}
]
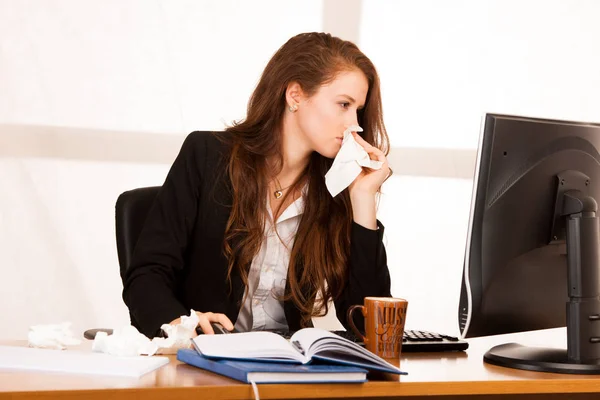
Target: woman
[{"x": 210, "y": 242}]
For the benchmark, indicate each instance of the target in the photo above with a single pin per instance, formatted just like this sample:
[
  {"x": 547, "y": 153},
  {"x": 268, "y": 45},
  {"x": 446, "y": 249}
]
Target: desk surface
[{"x": 456, "y": 374}]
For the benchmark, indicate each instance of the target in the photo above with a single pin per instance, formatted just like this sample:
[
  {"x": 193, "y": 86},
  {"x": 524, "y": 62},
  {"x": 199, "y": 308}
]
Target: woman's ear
[{"x": 294, "y": 95}]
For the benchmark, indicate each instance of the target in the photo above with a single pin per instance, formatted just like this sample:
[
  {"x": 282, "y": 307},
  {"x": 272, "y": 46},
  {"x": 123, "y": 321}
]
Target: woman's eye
[{"x": 345, "y": 105}]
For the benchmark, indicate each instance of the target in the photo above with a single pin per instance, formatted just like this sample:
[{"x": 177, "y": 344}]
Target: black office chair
[{"x": 131, "y": 210}]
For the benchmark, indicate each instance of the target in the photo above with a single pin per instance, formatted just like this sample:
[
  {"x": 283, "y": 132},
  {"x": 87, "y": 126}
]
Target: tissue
[
  {"x": 54, "y": 336},
  {"x": 348, "y": 163},
  {"x": 178, "y": 336},
  {"x": 128, "y": 341}
]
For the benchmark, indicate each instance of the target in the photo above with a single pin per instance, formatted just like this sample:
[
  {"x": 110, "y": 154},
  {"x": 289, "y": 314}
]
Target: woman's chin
[{"x": 329, "y": 153}]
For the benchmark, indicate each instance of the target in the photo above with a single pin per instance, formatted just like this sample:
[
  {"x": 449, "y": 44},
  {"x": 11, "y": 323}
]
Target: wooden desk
[{"x": 439, "y": 375}]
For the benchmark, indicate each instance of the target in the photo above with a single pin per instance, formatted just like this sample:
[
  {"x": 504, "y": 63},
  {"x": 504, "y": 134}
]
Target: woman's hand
[
  {"x": 206, "y": 318},
  {"x": 365, "y": 187},
  {"x": 370, "y": 180}
]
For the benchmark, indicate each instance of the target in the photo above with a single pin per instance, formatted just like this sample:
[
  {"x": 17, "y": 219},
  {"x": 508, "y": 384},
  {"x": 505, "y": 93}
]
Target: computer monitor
[{"x": 532, "y": 256}]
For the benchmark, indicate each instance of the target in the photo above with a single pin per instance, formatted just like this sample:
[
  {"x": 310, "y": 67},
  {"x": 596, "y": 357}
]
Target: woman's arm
[
  {"x": 368, "y": 273},
  {"x": 364, "y": 209},
  {"x": 151, "y": 280}
]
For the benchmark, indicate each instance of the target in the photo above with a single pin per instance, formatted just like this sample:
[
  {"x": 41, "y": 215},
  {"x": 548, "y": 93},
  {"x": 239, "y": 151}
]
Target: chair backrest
[{"x": 131, "y": 210}]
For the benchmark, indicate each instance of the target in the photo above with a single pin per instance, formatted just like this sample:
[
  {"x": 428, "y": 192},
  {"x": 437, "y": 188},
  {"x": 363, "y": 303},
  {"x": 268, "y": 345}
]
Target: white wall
[
  {"x": 96, "y": 97},
  {"x": 444, "y": 64}
]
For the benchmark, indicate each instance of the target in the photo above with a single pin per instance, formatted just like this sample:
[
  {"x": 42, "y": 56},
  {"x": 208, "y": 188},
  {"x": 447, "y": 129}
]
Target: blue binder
[{"x": 272, "y": 372}]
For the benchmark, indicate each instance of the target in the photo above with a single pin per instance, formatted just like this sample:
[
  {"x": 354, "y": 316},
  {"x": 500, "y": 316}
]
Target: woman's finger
[
  {"x": 371, "y": 150},
  {"x": 204, "y": 323},
  {"x": 375, "y": 152},
  {"x": 205, "y": 319},
  {"x": 361, "y": 141},
  {"x": 223, "y": 320}
]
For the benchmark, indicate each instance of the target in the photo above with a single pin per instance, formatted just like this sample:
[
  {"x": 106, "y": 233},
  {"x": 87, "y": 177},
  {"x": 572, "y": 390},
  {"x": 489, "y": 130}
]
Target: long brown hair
[{"x": 318, "y": 260}]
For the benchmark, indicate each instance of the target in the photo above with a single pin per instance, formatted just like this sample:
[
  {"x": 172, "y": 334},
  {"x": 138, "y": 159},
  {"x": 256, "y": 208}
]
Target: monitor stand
[
  {"x": 582, "y": 355},
  {"x": 542, "y": 359}
]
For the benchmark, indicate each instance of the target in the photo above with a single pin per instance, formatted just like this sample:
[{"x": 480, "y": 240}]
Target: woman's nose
[{"x": 351, "y": 121}]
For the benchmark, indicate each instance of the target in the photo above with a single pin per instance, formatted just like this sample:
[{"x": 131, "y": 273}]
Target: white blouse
[{"x": 268, "y": 273}]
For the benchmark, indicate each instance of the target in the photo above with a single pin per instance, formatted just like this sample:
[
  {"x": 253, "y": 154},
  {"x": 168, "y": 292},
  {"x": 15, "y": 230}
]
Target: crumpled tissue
[
  {"x": 348, "y": 163},
  {"x": 52, "y": 336},
  {"x": 128, "y": 341}
]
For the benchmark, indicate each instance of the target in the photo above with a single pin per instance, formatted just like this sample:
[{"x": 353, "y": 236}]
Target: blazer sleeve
[
  {"x": 151, "y": 281},
  {"x": 368, "y": 273}
]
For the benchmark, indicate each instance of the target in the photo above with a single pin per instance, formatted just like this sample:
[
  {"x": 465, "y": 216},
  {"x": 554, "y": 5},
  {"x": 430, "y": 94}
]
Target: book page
[
  {"x": 327, "y": 345},
  {"x": 305, "y": 338},
  {"x": 248, "y": 345}
]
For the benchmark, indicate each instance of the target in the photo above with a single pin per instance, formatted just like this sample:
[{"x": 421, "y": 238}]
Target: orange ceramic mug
[{"x": 384, "y": 325}]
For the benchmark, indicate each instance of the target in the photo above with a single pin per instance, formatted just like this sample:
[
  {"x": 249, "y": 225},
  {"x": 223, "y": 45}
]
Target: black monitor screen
[{"x": 515, "y": 271}]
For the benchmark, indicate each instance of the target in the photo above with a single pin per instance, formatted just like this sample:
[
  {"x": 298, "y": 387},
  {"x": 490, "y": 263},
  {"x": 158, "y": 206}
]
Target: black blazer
[{"x": 178, "y": 263}]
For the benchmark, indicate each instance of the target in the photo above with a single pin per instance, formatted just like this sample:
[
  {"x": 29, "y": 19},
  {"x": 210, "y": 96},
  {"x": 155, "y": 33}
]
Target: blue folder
[{"x": 273, "y": 372}]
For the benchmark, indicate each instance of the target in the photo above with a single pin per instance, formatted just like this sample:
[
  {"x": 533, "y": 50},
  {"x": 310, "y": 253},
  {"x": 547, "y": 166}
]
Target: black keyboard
[
  {"x": 416, "y": 341},
  {"x": 413, "y": 341}
]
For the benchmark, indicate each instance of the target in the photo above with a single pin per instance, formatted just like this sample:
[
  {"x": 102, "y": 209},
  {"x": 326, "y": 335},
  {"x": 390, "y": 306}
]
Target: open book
[{"x": 306, "y": 345}]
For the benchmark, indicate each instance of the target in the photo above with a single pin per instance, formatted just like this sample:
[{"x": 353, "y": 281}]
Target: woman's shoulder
[
  {"x": 207, "y": 150},
  {"x": 210, "y": 140},
  {"x": 207, "y": 145}
]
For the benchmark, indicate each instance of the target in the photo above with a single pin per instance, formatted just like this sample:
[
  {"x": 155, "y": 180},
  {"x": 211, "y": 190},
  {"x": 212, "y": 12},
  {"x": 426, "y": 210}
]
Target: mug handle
[{"x": 351, "y": 321}]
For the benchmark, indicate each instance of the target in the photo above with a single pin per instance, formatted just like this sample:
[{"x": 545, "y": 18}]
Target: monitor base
[{"x": 513, "y": 355}]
